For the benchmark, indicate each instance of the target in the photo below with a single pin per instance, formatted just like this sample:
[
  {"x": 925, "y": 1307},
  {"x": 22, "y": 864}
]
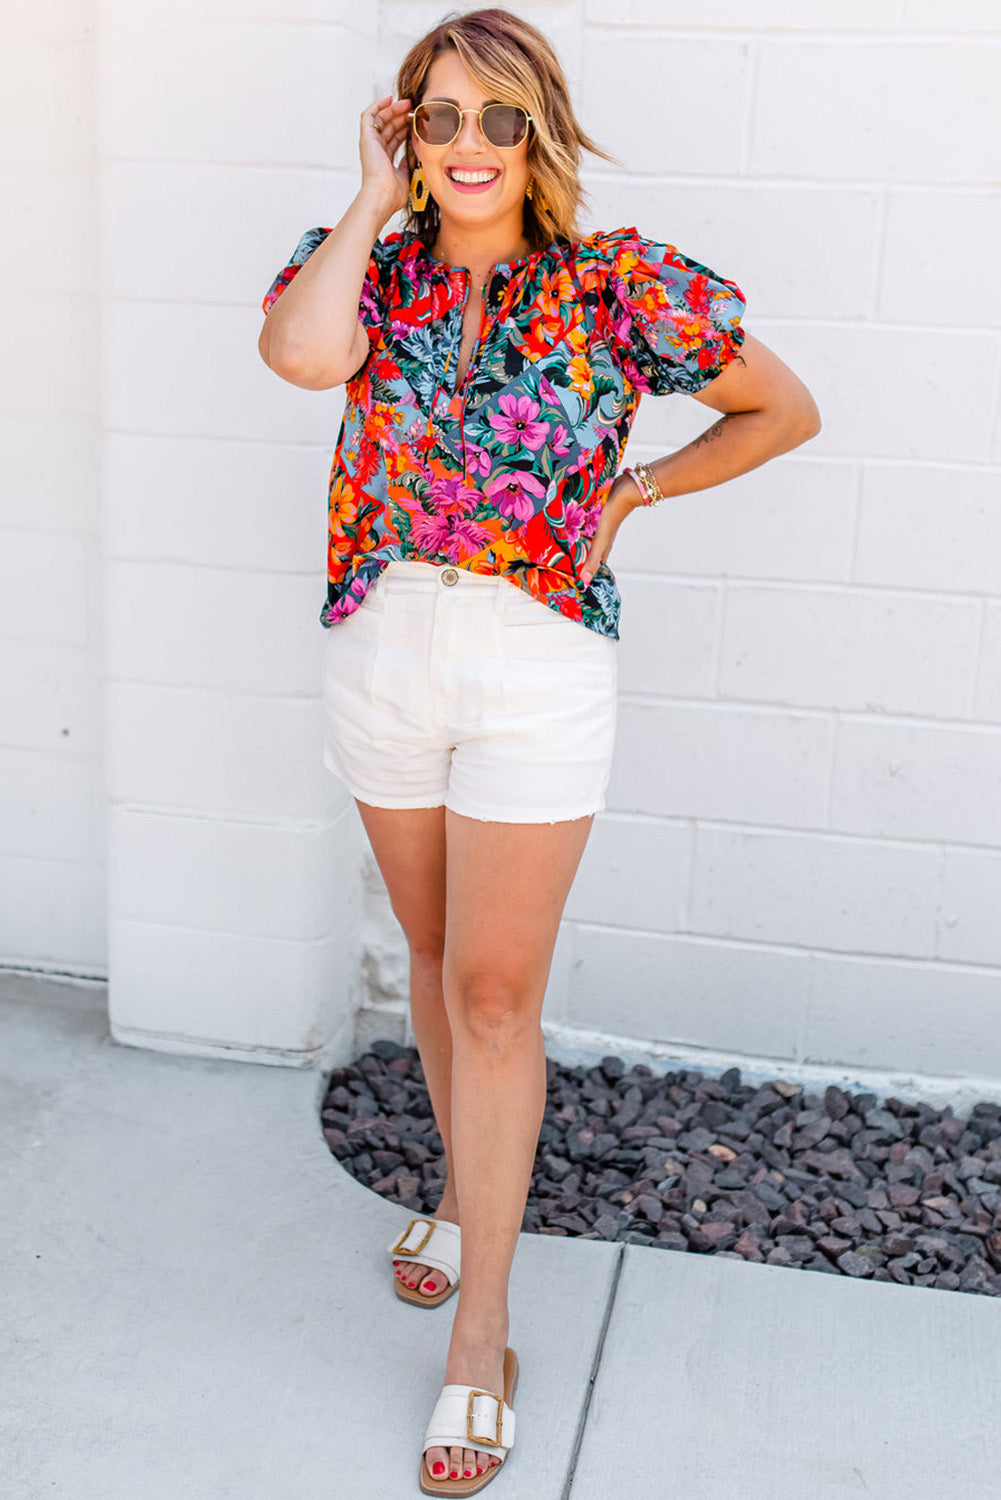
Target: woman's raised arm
[{"x": 312, "y": 336}]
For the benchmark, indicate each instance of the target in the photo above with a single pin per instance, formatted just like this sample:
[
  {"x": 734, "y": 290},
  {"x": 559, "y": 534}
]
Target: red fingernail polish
[{"x": 439, "y": 1467}]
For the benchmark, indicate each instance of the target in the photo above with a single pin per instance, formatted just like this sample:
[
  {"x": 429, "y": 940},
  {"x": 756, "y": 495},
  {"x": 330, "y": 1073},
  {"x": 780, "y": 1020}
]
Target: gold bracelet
[
  {"x": 654, "y": 493},
  {"x": 645, "y": 481}
]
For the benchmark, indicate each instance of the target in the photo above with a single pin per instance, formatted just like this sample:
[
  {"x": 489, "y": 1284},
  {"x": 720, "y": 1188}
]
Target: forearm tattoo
[{"x": 711, "y": 433}]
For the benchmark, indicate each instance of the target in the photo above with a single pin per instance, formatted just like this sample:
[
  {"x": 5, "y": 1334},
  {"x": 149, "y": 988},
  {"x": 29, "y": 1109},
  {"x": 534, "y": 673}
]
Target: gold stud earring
[{"x": 419, "y": 191}]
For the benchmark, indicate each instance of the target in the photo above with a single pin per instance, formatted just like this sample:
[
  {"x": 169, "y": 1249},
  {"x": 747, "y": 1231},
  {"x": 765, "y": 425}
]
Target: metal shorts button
[{"x": 449, "y": 575}]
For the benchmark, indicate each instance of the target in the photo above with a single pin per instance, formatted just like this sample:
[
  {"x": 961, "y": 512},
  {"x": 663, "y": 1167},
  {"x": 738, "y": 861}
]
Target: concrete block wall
[
  {"x": 52, "y": 834},
  {"x": 800, "y": 863},
  {"x": 815, "y": 738},
  {"x": 226, "y": 129}
]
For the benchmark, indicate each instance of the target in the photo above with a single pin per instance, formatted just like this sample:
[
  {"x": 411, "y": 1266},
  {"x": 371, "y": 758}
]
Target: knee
[
  {"x": 493, "y": 1006},
  {"x": 427, "y": 951}
]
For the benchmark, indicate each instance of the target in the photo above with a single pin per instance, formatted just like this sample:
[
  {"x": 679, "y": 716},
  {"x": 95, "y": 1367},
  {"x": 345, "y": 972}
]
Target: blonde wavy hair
[{"x": 518, "y": 65}]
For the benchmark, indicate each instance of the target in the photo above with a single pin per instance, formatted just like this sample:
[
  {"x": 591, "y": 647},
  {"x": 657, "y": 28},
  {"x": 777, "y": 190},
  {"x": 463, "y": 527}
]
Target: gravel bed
[{"x": 834, "y": 1181}]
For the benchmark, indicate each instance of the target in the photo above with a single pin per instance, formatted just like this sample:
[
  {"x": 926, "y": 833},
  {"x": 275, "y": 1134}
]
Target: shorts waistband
[{"x": 436, "y": 575}]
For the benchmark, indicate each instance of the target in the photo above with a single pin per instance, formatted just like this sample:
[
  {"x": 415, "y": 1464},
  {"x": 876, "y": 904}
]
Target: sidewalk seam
[{"x": 595, "y": 1365}]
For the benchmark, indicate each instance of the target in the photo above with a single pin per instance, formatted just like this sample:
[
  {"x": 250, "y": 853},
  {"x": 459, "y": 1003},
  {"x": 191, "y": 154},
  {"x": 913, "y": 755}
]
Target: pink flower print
[
  {"x": 466, "y": 540},
  {"x": 477, "y": 460},
  {"x": 448, "y": 534},
  {"x": 621, "y": 324},
  {"x": 357, "y": 589},
  {"x": 516, "y": 424},
  {"x": 515, "y": 493},
  {"x": 574, "y": 516},
  {"x": 453, "y": 495},
  {"x": 429, "y": 533},
  {"x": 560, "y": 442}
]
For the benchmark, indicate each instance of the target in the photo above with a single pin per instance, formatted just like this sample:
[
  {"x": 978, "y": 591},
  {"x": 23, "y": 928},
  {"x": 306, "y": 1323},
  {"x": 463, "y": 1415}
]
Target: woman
[{"x": 493, "y": 360}]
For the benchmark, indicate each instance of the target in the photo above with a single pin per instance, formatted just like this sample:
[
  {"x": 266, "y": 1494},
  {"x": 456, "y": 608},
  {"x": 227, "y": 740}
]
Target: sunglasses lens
[
  {"x": 505, "y": 125},
  {"x": 437, "y": 124}
]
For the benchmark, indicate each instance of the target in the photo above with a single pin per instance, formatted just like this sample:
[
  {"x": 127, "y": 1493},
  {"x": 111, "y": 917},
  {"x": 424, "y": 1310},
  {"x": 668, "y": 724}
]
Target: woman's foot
[
  {"x": 427, "y": 1278},
  {"x": 476, "y": 1361}
]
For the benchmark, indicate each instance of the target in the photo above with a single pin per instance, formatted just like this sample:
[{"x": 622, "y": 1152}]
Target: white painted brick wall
[
  {"x": 801, "y": 857},
  {"x": 52, "y": 845},
  {"x": 234, "y": 856},
  {"x": 852, "y": 649},
  {"x": 989, "y": 680},
  {"x": 842, "y": 787}
]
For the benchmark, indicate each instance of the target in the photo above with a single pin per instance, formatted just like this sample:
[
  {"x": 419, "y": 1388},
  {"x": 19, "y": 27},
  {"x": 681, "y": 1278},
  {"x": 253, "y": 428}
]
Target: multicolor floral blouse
[{"x": 507, "y": 472}]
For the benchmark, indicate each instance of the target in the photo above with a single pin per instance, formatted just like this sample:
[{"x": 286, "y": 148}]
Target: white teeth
[{"x": 458, "y": 176}]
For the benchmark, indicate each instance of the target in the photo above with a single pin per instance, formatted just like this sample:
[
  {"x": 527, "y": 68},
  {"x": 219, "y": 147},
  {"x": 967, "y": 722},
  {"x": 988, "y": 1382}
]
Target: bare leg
[
  {"x": 409, "y": 847},
  {"x": 506, "y": 886}
]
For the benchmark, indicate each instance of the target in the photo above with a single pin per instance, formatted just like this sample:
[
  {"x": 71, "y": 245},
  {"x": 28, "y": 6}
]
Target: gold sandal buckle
[
  {"x": 483, "y": 1442},
  {"x": 398, "y": 1248}
]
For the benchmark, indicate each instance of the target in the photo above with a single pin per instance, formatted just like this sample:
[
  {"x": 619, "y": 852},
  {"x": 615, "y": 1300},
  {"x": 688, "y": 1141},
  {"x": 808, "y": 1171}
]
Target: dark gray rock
[
  {"x": 835, "y": 1182},
  {"x": 855, "y": 1265}
]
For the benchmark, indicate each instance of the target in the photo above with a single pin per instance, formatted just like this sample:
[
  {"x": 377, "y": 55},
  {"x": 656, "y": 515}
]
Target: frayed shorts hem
[
  {"x": 493, "y": 815},
  {"x": 524, "y": 815}
]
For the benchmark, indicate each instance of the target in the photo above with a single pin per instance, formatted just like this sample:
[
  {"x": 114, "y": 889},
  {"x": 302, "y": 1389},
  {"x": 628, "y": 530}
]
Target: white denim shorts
[{"x": 458, "y": 689}]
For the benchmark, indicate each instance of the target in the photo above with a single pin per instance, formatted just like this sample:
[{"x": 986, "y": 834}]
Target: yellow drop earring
[
  {"x": 419, "y": 191},
  {"x": 540, "y": 202}
]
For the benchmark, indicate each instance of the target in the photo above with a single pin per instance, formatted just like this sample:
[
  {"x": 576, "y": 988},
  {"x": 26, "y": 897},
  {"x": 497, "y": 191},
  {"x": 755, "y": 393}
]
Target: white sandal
[
  {"x": 465, "y": 1417},
  {"x": 429, "y": 1242}
]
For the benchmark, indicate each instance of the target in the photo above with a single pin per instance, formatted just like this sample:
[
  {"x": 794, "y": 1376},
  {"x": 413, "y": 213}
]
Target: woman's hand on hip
[
  {"x": 384, "y": 128},
  {"x": 621, "y": 500}
]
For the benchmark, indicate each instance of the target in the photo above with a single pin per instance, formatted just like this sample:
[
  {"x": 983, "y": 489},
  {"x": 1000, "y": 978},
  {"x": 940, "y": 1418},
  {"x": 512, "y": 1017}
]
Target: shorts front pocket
[
  {"x": 520, "y": 608},
  {"x": 354, "y": 667},
  {"x": 559, "y": 671},
  {"x": 373, "y": 599}
]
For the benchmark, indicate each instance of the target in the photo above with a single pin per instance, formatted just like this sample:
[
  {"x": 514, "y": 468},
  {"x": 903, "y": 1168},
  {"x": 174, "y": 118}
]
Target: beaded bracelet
[{"x": 646, "y": 482}]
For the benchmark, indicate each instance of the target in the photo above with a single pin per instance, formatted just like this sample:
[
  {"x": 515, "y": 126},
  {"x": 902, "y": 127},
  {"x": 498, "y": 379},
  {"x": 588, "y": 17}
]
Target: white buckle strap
[
  {"x": 465, "y": 1417},
  {"x": 431, "y": 1242}
]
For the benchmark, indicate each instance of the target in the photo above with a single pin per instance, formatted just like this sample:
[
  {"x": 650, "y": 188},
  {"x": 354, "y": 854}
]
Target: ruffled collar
[{"x": 413, "y": 249}]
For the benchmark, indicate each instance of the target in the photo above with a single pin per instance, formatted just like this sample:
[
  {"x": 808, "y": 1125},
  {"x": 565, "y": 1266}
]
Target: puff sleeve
[
  {"x": 672, "y": 323},
  {"x": 372, "y": 301}
]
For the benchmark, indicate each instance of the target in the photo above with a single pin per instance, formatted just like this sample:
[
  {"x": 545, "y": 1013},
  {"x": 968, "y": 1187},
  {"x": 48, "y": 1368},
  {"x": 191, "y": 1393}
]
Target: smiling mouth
[{"x": 470, "y": 177}]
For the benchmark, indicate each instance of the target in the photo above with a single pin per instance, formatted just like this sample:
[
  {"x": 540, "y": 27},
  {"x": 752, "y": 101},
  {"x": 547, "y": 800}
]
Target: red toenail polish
[
  {"x": 439, "y": 1468},
  {"x": 454, "y": 1474},
  {"x": 467, "y": 1473}
]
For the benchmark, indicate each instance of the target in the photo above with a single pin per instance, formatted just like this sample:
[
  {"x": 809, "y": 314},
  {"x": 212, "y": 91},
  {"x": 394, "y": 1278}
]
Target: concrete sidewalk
[{"x": 197, "y": 1305}]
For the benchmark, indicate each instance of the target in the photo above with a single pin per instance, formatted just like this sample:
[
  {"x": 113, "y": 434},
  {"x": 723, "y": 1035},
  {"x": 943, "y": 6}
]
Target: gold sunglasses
[{"x": 438, "y": 123}]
